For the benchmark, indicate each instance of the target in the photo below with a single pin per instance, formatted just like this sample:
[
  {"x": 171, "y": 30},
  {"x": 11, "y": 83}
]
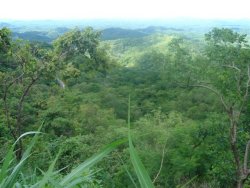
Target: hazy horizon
[
  {"x": 124, "y": 10},
  {"x": 125, "y": 19}
]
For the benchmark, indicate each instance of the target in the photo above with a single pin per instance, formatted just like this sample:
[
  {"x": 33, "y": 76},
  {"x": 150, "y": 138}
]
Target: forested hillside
[{"x": 153, "y": 107}]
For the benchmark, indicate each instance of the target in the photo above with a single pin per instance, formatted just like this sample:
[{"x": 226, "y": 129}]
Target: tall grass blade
[
  {"x": 140, "y": 170},
  {"x": 55, "y": 183},
  {"x": 188, "y": 182},
  {"x": 90, "y": 162},
  {"x": 12, "y": 178},
  {"x": 47, "y": 175},
  {"x": 6, "y": 164},
  {"x": 130, "y": 177},
  {"x": 25, "y": 134},
  {"x": 8, "y": 181},
  {"x": 127, "y": 170},
  {"x": 33, "y": 141}
]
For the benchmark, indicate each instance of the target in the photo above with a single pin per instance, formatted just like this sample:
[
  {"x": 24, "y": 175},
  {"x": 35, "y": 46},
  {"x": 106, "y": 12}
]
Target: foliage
[{"x": 79, "y": 85}]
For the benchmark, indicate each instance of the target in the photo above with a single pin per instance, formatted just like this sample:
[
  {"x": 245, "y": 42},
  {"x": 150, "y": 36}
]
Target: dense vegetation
[{"x": 189, "y": 108}]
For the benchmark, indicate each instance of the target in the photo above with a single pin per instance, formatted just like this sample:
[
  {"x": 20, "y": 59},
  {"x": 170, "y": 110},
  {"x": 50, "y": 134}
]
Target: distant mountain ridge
[
  {"x": 49, "y": 30},
  {"x": 119, "y": 33},
  {"x": 33, "y": 36},
  {"x": 106, "y": 34},
  {"x": 5, "y": 24},
  {"x": 41, "y": 36},
  {"x": 116, "y": 33}
]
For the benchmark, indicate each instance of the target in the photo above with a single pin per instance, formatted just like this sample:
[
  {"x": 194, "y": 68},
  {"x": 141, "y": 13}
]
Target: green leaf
[
  {"x": 10, "y": 180},
  {"x": 7, "y": 161},
  {"x": 90, "y": 162},
  {"x": 188, "y": 182},
  {"x": 48, "y": 174}
]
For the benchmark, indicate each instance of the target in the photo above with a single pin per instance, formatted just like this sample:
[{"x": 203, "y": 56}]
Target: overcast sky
[{"x": 125, "y": 9}]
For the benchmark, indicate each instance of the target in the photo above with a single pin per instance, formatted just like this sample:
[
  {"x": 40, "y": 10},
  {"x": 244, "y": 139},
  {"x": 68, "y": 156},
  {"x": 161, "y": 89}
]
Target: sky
[{"x": 123, "y": 9}]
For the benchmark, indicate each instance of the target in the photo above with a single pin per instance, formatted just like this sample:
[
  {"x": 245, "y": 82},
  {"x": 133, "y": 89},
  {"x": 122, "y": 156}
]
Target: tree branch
[
  {"x": 162, "y": 160},
  {"x": 237, "y": 77},
  {"x": 245, "y": 169},
  {"x": 247, "y": 84},
  {"x": 19, "y": 116},
  {"x": 20, "y": 104},
  {"x": 6, "y": 111},
  {"x": 246, "y": 91},
  {"x": 232, "y": 67},
  {"x": 13, "y": 81},
  {"x": 217, "y": 93}
]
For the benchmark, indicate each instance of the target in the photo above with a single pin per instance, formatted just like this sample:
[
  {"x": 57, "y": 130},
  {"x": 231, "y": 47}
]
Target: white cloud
[{"x": 80, "y": 9}]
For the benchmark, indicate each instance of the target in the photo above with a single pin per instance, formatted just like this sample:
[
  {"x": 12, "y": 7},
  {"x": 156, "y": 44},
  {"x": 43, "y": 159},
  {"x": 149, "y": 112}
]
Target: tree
[
  {"x": 181, "y": 58},
  {"x": 79, "y": 51},
  {"x": 229, "y": 69},
  {"x": 77, "y": 42},
  {"x": 5, "y": 46},
  {"x": 26, "y": 64}
]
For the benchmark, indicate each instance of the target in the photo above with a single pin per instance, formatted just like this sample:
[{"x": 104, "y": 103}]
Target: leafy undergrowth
[{"x": 11, "y": 170}]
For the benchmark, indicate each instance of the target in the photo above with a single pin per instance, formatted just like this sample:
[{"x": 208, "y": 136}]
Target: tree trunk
[
  {"x": 19, "y": 150},
  {"x": 241, "y": 167},
  {"x": 240, "y": 184}
]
